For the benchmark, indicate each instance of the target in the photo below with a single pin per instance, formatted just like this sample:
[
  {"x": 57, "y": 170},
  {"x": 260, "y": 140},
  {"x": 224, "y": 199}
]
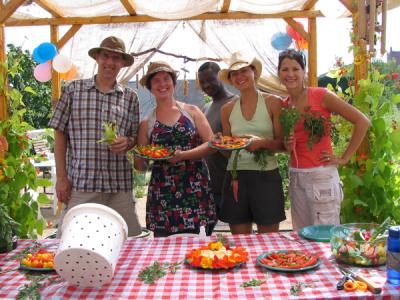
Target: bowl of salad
[{"x": 362, "y": 244}]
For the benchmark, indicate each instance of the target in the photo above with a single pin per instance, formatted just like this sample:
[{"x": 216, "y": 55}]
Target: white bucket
[{"x": 92, "y": 237}]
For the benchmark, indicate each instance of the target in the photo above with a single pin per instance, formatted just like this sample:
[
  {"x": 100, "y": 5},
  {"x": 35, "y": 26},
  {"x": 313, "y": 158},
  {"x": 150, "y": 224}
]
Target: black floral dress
[{"x": 179, "y": 196}]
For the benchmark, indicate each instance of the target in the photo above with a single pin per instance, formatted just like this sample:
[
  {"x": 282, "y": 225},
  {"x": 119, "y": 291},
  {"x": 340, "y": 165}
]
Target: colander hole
[
  {"x": 105, "y": 267},
  {"x": 100, "y": 280},
  {"x": 105, "y": 226},
  {"x": 84, "y": 269},
  {"x": 73, "y": 270},
  {"x": 108, "y": 276},
  {"x": 109, "y": 237},
  {"x": 90, "y": 222},
  {"x": 68, "y": 255},
  {"x": 91, "y": 281},
  {"x": 76, "y": 222},
  {"x": 100, "y": 274},
  {"x": 96, "y": 261},
  {"x": 110, "y": 250},
  {"x": 87, "y": 262},
  {"x": 88, "y": 236},
  {"x": 80, "y": 256},
  {"x": 81, "y": 228},
  {"x": 78, "y": 282},
  {"x": 97, "y": 269},
  {"x": 102, "y": 244},
  {"x": 92, "y": 275},
  {"x": 69, "y": 246},
  {"x": 97, "y": 231},
  {"x": 98, "y": 218},
  {"x": 72, "y": 276},
  {"x": 87, "y": 253},
  {"x": 77, "y": 262},
  {"x": 67, "y": 262},
  {"x": 81, "y": 245},
  {"x": 82, "y": 277},
  {"x": 93, "y": 249},
  {"x": 85, "y": 216}
]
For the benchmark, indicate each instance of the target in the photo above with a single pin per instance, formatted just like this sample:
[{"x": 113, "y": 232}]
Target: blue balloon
[
  {"x": 281, "y": 40},
  {"x": 37, "y": 57},
  {"x": 47, "y": 51}
]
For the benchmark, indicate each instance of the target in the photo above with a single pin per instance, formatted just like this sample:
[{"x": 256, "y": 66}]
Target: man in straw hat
[
  {"x": 87, "y": 170},
  {"x": 256, "y": 193}
]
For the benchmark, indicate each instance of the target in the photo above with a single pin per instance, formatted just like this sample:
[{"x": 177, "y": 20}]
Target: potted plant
[{"x": 8, "y": 238}]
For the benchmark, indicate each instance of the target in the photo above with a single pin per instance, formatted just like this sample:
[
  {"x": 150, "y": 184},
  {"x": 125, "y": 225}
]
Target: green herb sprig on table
[
  {"x": 31, "y": 291},
  {"x": 297, "y": 288},
  {"x": 317, "y": 126},
  {"x": 157, "y": 270},
  {"x": 253, "y": 282},
  {"x": 289, "y": 118}
]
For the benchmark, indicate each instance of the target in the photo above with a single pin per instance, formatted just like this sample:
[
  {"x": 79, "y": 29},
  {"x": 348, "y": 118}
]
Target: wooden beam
[
  {"x": 8, "y": 9},
  {"x": 52, "y": 9},
  {"x": 67, "y": 36},
  {"x": 3, "y": 76},
  {"x": 298, "y": 28},
  {"x": 135, "y": 19},
  {"x": 129, "y": 6},
  {"x": 312, "y": 53},
  {"x": 309, "y": 4},
  {"x": 55, "y": 78},
  {"x": 225, "y": 6},
  {"x": 350, "y": 5}
]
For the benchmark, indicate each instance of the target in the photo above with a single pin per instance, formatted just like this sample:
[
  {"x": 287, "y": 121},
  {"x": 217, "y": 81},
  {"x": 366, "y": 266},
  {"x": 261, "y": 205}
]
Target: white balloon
[
  {"x": 331, "y": 8},
  {"x": 62, "y": 63}
]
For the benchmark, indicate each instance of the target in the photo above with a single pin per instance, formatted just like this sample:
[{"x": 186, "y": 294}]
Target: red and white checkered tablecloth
[{"x": 189, "y": 283}]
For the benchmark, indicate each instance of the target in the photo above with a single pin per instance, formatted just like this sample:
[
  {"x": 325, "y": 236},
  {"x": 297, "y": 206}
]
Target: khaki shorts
[
  {"x": 122, "y": 202},
  {"x": 316, "y": 195}
]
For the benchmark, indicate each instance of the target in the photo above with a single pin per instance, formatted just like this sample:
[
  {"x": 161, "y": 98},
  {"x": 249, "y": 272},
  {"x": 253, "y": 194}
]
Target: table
[{"x": 188, "y": 283}]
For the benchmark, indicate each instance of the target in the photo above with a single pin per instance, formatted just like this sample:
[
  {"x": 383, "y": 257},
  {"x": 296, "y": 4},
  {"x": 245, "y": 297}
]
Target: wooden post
[
  {"x": 55, "y": 78},
  {"x": 312, "y": 52},
  {"x": 3, "y": 74}
]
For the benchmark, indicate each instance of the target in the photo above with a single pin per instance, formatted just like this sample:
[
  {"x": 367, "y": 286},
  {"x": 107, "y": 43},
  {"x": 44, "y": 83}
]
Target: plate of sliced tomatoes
[
  {"x": 152, "y": 152},
  {"x": 288, "y": 261},
  {"x": 229, "y": 143},
  {"x": 42, "y": 261}
]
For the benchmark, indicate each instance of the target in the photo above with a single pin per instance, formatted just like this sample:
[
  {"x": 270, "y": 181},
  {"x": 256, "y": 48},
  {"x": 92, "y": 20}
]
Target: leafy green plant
[
  {"x": 372, "y": 179},
  {"x": 35, "y": 96},
  {"x": 7, "y": 224},
  {"x": 17, "y": 174}
]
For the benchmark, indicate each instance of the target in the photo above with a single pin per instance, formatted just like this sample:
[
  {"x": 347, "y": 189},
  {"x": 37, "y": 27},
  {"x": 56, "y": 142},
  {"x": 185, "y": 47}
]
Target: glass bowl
[{"x": 354, "y": 243}]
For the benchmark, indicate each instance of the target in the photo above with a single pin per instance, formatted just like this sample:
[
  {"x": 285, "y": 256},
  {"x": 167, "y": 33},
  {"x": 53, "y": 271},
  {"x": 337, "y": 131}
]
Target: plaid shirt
[{"x": 80, "y": 113}]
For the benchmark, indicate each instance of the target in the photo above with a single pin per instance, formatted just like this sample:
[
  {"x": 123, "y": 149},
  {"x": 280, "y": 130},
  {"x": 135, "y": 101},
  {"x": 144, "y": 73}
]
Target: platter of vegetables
[
  {"x": 229, "y": 143},
  {"x": 288, "y": 261},
  {"x": 38, "y": 261},
  {"x": 216, "y": 256},
  {"x": 361, "y": 244},
  {"x": 152, "y": 152}
]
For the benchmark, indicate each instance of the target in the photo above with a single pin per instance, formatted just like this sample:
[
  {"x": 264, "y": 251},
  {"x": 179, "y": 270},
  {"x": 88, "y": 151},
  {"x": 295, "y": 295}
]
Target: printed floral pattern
[{"x": 179, "y": 196}]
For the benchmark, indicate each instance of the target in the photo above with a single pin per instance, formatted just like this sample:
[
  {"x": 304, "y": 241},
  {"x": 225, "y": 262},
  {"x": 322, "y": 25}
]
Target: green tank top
[{"x": 260, "y": 125}]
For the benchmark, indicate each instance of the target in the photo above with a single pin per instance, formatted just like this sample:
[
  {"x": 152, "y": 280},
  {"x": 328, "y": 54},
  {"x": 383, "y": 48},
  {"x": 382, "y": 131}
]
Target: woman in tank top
[
  {"x": 314, "y": 183},
  {"x": 259, "y": 196}
]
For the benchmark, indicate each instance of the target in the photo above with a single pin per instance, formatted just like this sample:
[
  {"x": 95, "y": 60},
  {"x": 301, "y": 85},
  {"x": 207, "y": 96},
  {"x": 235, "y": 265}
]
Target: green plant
[
  {"x": 35, "y": 96},
  {"x": 7, "y": 224},
  {"x": 372, "y": 179},
  {"x": 17, "y": 174}
]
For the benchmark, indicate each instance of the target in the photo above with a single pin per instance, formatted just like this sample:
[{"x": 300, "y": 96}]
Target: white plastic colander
[{"x": 91, "y": 239}]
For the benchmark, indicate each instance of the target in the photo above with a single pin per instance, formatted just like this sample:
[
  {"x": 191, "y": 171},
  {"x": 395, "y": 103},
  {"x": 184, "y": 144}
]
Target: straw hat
[
  {"x": 155, "y": 67},
  {"x": 113, "y": 44},
  {"x": 236, "y": 62}
]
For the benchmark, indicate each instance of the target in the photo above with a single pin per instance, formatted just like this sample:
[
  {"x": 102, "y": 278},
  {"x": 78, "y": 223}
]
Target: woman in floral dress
[{"x": 179, "y": 196}]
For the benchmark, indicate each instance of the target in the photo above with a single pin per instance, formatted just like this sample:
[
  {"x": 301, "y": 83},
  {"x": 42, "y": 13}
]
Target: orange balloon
[
  {"x": 71, "y": 74},
  {"x": 302, "y": 44}
]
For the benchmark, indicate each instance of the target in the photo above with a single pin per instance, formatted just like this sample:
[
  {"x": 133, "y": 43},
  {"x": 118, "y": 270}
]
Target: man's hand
[
  {"x": 122, "y": 144},
  {"x": 63, "y": 189}
]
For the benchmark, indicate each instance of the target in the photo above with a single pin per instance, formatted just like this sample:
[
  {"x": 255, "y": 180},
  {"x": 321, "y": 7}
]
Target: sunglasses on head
[{"x": 293, "y": 54}]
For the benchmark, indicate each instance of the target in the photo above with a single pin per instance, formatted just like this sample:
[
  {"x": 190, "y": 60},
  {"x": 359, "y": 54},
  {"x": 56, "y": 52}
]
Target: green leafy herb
[
  {"x": 380, "y": 230},
  {"x": 157, "y": 270},
  {"x": 297, "y": 288},
  {"x": 224, "y": 240},
  {"x": 289, "y": 118},
  {"x": 317, "y": 126},
  {"x": 31, "y": 291},
  {"x": 35, "y": 247},
  {"x": 261, "y": 158},
  {"x": 253, "y": 282}
]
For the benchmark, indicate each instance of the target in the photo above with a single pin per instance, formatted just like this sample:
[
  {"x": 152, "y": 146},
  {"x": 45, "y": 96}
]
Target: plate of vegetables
[
  {"x": 39, "y": 261},
  {"x": 229, "y": 143},
  {"x": 152, "y": 152},
  {"x": 288, "y": 261},
  {"x": 216, "y": 256}
]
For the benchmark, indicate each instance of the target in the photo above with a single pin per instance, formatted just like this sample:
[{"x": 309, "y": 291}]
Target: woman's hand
[
  {"x": 289, "y": 143},
  {"x": 256, "y": 142},
  {"x": 177, "y": 157},
  {"x": 331, "y": 159}
]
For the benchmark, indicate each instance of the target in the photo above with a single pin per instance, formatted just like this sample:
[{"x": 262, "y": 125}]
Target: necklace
[{"x": 296, "y": 101}]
